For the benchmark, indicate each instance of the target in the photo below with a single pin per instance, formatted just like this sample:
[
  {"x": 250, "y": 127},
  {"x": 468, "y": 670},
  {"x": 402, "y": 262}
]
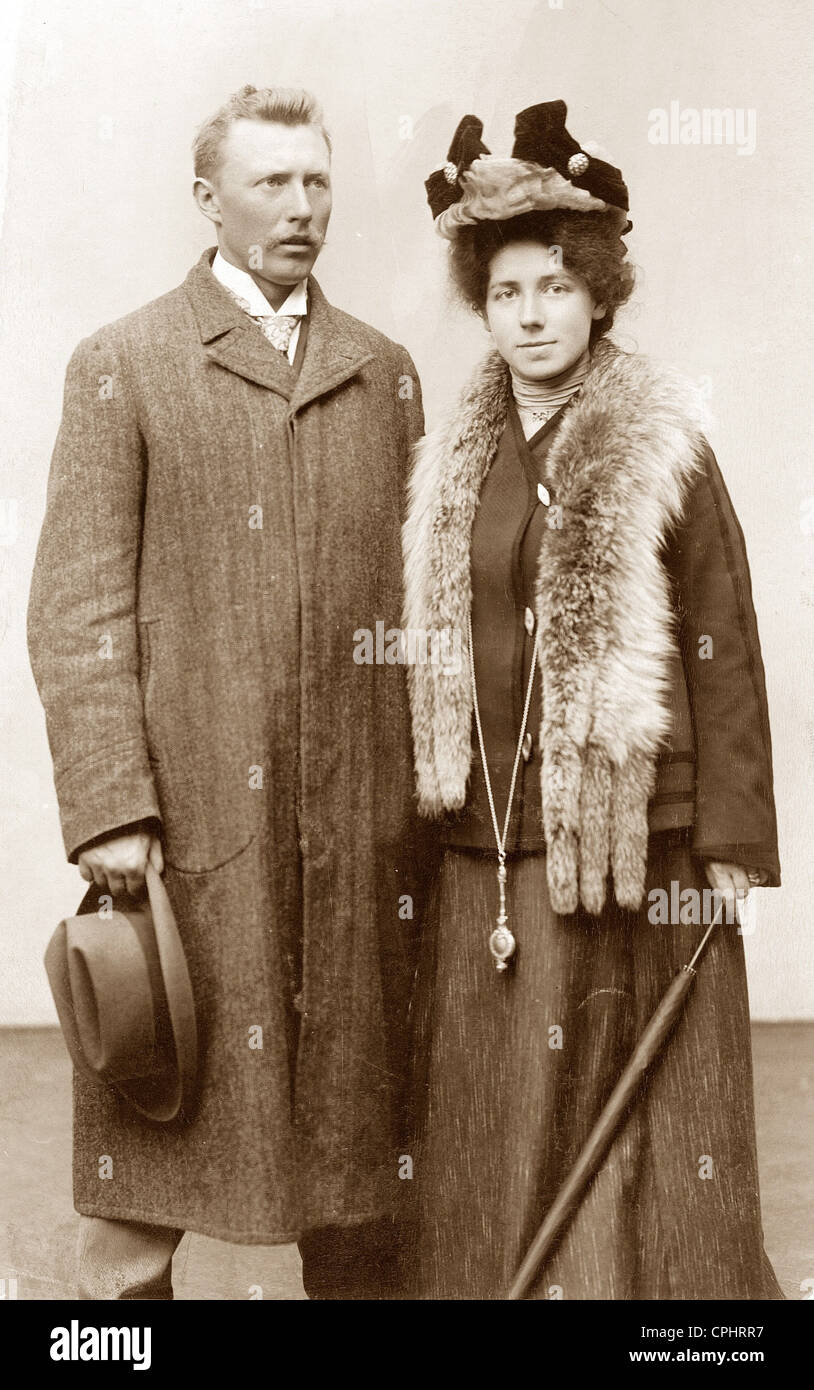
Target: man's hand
[
  {"x": 732, "y": 880},
  {"x": 119, "y": 864}
]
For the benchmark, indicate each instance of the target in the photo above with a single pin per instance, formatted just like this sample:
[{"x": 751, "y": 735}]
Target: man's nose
[{"x": 298, "y": 205}]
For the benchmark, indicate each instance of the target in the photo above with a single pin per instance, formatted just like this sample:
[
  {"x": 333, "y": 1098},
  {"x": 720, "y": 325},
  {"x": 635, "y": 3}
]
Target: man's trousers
[{"x": 129, "y": 1260}]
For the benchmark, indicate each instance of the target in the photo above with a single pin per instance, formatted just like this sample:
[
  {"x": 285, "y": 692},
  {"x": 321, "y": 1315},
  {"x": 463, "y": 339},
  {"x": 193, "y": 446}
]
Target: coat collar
[{"x": 333, "y": 352}]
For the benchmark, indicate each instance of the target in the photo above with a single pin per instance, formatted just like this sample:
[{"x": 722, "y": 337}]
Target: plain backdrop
[{"x": 100, "y": 103}]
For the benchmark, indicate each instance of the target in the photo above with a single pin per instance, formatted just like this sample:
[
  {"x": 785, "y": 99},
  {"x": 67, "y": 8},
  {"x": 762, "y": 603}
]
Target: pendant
[{"x": 502, "y": 943}]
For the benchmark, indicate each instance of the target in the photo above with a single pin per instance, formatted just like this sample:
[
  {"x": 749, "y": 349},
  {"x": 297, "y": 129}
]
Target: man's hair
[{"x": 285, "y": 105}]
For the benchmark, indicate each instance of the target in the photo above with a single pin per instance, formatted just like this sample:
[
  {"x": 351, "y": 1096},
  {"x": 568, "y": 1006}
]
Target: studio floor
[{"x": 38, "y": 1224}]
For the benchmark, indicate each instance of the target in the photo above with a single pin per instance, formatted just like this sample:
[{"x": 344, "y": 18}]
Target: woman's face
[{"x": 539, "y": 314}]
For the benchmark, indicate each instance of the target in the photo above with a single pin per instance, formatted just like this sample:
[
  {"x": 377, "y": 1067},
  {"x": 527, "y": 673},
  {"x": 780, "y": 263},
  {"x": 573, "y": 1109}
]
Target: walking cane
[{"x": 647, "y": 1051}]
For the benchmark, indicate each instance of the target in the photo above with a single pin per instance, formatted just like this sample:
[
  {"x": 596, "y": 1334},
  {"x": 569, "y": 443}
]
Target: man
[{"x": 223, "y": 515}]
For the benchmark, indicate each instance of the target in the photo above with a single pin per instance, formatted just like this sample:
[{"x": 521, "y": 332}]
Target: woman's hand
[{"x": 732, "y": 880}]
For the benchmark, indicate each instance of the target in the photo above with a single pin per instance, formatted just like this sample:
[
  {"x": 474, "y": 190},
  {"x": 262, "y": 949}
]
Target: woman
[{"x": 605, "y": 746}]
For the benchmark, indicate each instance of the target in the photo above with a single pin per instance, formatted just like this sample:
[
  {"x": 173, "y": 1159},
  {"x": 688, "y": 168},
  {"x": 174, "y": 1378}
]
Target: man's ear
[{"x": 206, "y": 197}]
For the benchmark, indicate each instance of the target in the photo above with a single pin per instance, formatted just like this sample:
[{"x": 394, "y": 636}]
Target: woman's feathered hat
[{"x": 547, "y": 169}]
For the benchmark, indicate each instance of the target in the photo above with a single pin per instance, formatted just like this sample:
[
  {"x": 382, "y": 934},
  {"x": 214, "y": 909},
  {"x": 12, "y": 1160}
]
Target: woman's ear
[{"x": 599, "y": 311}]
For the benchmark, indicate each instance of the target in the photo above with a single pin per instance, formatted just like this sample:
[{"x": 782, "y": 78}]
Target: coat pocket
[{"x": 199, "y": 714}]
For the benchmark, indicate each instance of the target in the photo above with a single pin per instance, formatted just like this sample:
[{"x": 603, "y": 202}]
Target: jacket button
[
  {"x": 528, "y": 619},
  {"x": 527, "y": 747}
]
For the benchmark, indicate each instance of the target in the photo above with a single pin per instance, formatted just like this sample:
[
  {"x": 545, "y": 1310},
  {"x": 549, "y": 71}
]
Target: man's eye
[
  {"x": 319, "y": 181},
  {"x": 274, "y": 180}
]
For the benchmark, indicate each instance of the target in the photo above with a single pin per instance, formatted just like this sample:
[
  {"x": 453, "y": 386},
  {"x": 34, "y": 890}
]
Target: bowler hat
[{"x": 124, "y": 998}]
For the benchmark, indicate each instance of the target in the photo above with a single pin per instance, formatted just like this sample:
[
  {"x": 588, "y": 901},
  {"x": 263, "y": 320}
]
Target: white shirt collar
[{"x": 244, "y": 287}]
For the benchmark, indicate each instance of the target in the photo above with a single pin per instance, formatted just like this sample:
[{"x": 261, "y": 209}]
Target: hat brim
[{"x": 162, "y": 1096}]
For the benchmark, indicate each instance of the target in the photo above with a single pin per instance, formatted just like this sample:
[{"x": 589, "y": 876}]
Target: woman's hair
[{"x": 590, "y": 246}]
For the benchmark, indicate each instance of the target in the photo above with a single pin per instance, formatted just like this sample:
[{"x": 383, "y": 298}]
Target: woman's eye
[{"x": 559, "y": 288}]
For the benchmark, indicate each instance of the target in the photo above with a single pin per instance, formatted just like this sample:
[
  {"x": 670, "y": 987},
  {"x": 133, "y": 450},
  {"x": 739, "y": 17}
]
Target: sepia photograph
[{"x": 407, "y": 555}]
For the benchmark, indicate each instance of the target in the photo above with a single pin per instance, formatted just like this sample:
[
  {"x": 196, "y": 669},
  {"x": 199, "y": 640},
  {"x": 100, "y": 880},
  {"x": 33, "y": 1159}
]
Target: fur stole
[{"x": 621, "y": 466}]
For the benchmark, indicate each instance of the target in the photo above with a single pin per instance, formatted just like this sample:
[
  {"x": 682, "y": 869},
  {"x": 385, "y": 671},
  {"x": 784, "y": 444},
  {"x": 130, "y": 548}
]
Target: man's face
[
  {"x": 540, "y": 315},
  {"x": 270, "y": 198}
]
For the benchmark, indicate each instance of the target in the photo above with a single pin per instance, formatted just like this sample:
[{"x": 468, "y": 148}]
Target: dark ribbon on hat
[
  {"x": 443, "y": 187},
  {"x": 540, "y": 137}
]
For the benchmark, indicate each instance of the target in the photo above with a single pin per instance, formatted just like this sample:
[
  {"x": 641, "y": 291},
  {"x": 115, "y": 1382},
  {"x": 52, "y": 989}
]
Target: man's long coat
[{"x": 217, "y": 532}]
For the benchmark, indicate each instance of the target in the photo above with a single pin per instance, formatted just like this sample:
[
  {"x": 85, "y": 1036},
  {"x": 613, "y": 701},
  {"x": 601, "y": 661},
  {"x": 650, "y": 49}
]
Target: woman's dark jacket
[{"x": 716, "y": 774}]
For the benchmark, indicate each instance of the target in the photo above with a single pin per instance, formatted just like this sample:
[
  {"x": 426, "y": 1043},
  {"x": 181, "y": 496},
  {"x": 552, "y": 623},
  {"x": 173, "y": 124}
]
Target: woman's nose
[{"x": 531, "y": 311}]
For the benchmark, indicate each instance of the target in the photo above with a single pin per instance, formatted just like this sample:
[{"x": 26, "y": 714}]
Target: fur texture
[{"x": 621, "y": 464}]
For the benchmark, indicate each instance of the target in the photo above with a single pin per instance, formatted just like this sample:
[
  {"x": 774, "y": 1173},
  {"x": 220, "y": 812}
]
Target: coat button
[
  {"x": 527, "y": 747},
  {"x": 528, "y": 619}
]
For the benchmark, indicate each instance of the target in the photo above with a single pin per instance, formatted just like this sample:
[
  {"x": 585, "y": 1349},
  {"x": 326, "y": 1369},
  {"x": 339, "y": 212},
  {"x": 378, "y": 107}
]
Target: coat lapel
[
  {"x": 332, "y": 352},
  {"x": 228, "y": 335}
]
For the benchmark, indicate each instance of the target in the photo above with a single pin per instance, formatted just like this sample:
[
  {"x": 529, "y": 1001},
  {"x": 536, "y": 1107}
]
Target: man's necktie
[{"x": 278, "y": 328}]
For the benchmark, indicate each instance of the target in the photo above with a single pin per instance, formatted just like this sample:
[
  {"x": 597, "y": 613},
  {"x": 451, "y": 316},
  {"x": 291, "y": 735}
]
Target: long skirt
[{"x": 513, "y": 1069}]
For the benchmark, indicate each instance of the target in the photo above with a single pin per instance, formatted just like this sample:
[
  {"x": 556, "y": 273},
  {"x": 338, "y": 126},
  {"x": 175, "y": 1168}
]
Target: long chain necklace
[{"x": 502, "y": 943}]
